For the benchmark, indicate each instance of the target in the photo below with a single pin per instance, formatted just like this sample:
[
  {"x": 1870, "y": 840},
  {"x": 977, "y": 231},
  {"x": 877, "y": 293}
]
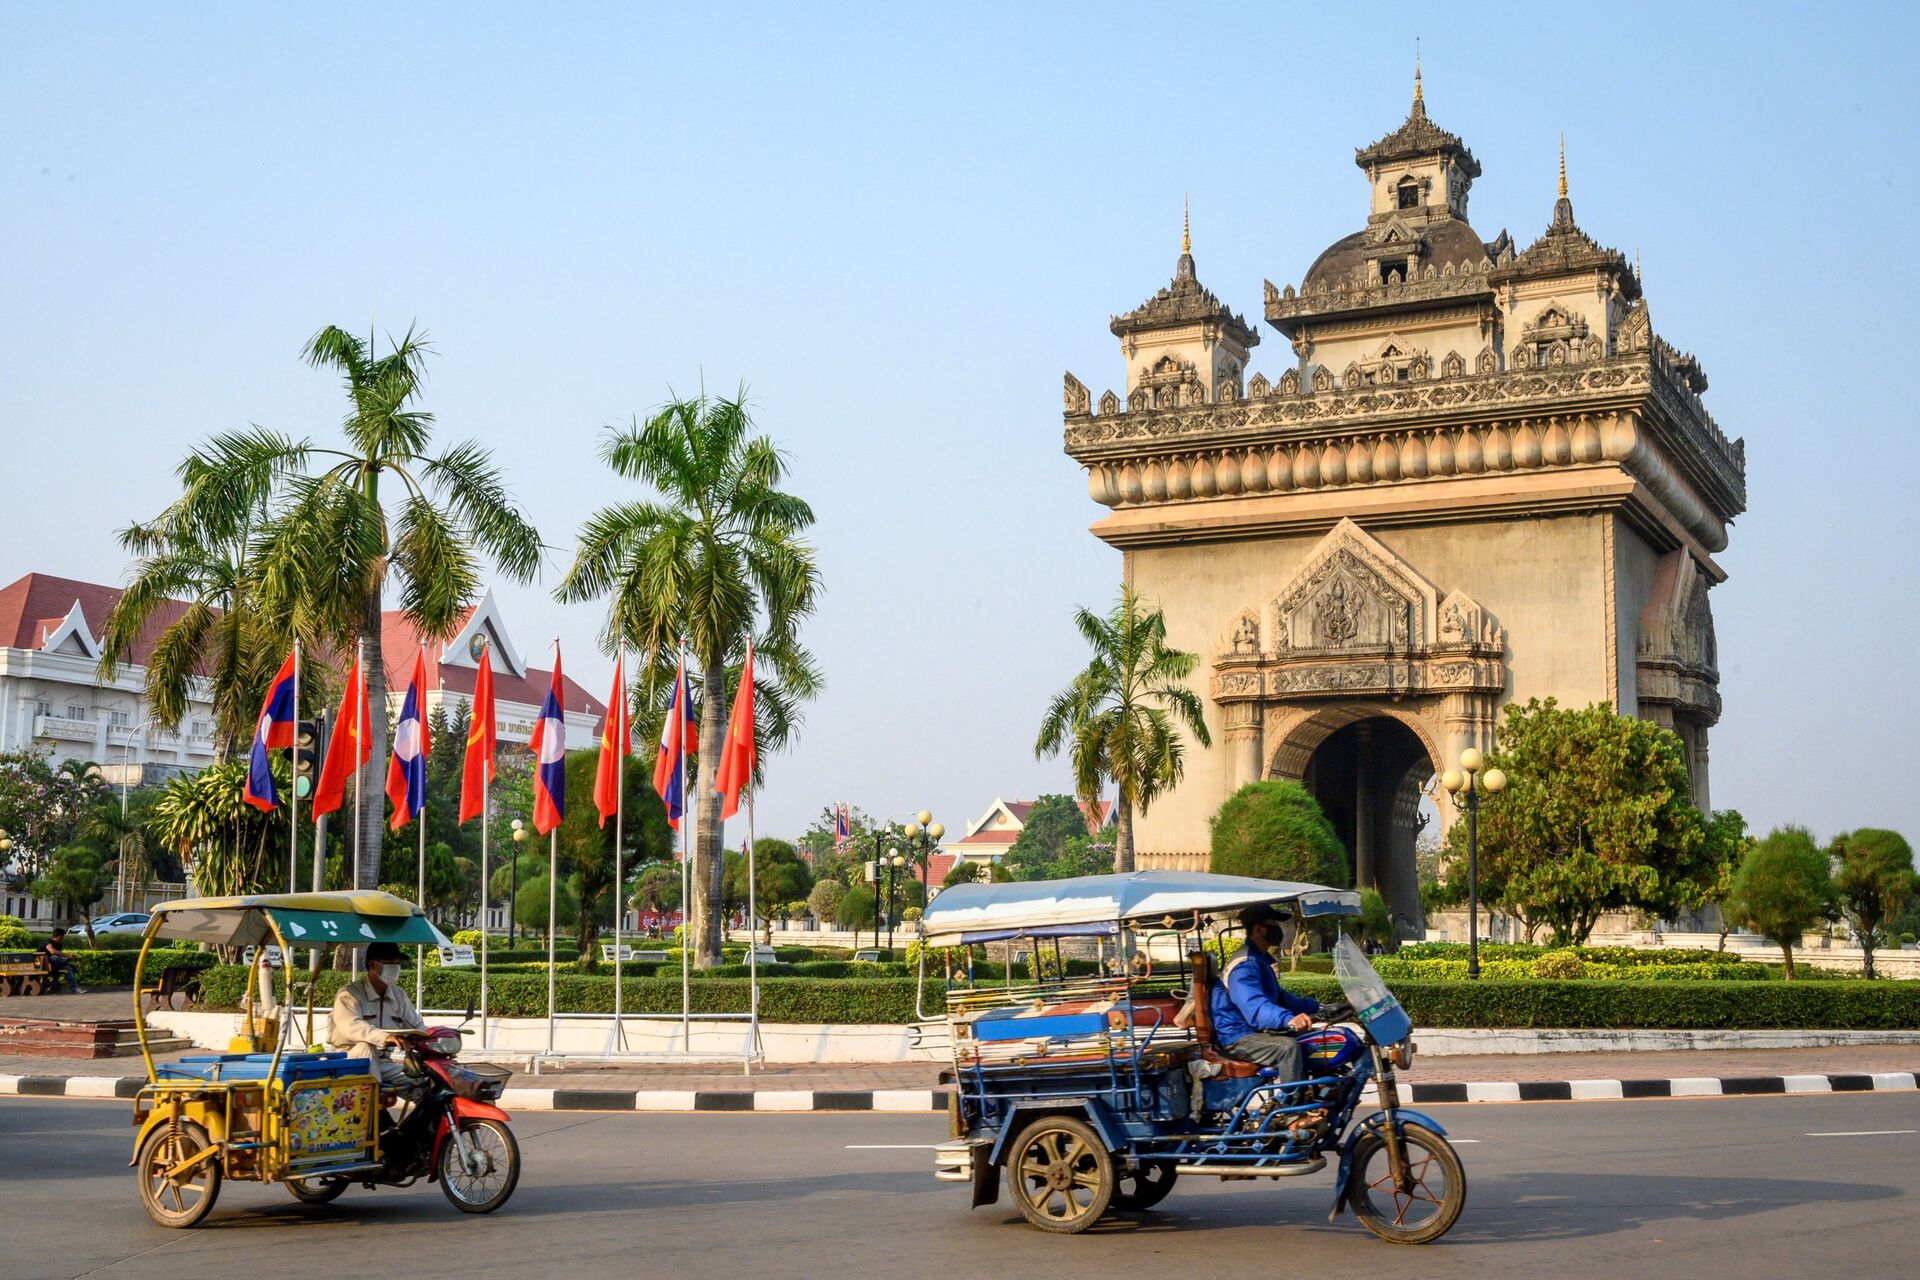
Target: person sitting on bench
[
  {"x": 58, "y": 962},
  {"x": 1252, "y": 1013}
]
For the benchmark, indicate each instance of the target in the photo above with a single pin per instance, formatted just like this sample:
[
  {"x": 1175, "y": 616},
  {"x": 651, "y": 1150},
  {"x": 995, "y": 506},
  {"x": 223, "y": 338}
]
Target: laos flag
[
  {"x": 407, "y": 772},
  {"x": 274, "y": 730},
  {"x": 549, "y": 743},
  {"x": 677, "y": 736}
]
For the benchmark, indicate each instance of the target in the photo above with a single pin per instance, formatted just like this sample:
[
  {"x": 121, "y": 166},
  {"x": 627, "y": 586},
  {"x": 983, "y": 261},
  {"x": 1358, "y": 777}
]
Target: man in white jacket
[{"x": 368, "y": 1011}]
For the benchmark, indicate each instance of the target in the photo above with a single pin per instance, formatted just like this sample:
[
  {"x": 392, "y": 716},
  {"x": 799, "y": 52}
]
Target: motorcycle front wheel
[
  {"x": 485, "y": 1185},
  {"x": 1427, "y": 1207}
]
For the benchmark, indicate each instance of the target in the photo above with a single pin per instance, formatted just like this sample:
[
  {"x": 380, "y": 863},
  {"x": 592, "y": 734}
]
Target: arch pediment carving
[{"x": 1357, "y": 620}]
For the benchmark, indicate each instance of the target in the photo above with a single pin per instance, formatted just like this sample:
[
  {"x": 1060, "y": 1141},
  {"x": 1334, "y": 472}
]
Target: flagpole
[
  {"x": 753, "y": 950},
  {"x": 679, "y": 715},
  {"x": 420, "y": 953},
  {"x": 293, "y": 782},
  {"x": 359, "y": 710},
  {"x": 486, "y": 924},
  {"x": 619, "y": 714}
]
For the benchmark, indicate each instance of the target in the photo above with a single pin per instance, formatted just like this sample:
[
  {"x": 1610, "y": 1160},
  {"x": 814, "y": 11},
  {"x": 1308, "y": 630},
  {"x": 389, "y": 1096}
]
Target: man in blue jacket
[{"x": 1252, "y": 1013}]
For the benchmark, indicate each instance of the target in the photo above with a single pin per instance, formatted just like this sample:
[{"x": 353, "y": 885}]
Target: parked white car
[{"x": 134, "y": 922}]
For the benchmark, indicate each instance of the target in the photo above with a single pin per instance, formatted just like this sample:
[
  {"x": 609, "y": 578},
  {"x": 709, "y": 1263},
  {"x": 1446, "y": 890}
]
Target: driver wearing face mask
[{"x": 368, "y": 1011}]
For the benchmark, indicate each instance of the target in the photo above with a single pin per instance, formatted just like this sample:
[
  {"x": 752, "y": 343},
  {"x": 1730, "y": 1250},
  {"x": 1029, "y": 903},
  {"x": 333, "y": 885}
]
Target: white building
[{"x": 53, "y": 699}]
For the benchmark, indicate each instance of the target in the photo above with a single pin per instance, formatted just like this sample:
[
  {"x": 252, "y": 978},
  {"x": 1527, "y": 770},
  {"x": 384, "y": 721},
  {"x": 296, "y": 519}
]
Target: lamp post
[
  {"x": 894, "y": 863},
  {"x": 513, "y": 881},
  {"x": 1466, "y": 784},
  {"x": 928, "y": 833}
]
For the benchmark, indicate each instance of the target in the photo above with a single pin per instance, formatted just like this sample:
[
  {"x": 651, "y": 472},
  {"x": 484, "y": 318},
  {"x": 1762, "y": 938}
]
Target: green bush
[
  {"x": 14, "y": 935},
  {"x": 1491, "y": 1002},
  {"x": 115, "y": 968},
  {"x": 1559, "y": 964},
  {"x": 467, "y": 938},
  {"x": 1276, "y": 831}
]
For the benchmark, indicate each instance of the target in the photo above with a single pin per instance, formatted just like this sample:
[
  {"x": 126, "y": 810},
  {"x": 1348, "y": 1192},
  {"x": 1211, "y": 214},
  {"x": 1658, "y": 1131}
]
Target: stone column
[
  {"x": 1365, "y": 855},
  {"x": 1242, "y": 732}
]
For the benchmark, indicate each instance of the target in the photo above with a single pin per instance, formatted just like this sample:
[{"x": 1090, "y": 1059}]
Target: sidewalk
[{"x": 915, "y": 1087}]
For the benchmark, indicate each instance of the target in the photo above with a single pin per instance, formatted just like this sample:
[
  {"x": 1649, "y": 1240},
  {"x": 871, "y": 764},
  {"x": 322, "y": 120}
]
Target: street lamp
[
  {"x": 894, "y": 863},
  {"x": 928, "y": 833},
  {"x": 1461, "y": 783},
  {"x": 513, "y": 881}
]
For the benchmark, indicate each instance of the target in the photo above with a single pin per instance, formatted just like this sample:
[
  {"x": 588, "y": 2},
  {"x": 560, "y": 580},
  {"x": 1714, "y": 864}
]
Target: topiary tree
[
  {"x": 1873, "y": 881},
  {"x": 1782, "y": 889},
  {"x": 824, "y": 900},
  {"x": 1276, "y": 831},
  {"x": 530, "y": 908},
  {"x": 855, "y": 910}
]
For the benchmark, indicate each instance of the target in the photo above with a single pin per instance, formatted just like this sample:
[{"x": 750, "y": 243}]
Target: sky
[{"x": 897, "y": 225}]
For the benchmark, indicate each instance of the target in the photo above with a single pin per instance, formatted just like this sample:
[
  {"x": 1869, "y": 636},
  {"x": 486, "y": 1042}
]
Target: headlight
[
  {"x": 1403, "y": 1054},
  {"x": 447, "y": 1045}
]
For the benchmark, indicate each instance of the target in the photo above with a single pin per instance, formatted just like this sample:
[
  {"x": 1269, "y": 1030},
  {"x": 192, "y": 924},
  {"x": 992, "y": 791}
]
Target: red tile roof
[
  {"x": 35, "y": 605},
  {"x": 399, "y": 639},
  {"x": 1002, "y": 836}
]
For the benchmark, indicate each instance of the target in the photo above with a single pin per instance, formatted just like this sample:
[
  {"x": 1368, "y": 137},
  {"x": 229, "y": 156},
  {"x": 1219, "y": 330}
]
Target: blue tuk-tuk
[{"x": 1091, "y": 1077}]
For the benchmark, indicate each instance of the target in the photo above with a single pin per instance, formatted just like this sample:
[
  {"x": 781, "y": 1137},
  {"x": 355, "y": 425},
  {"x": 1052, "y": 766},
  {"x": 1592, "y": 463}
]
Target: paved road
[{"x": 1731, "y": 1186}]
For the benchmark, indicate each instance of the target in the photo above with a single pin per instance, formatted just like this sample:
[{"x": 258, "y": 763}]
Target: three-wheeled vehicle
[
  {"x": 1100, "y": 1090},
  {"x": 315, "y": 1120}
]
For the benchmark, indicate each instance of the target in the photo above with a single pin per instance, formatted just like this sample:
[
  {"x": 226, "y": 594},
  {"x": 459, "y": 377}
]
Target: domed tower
[{"x": 1483, "y": 477}]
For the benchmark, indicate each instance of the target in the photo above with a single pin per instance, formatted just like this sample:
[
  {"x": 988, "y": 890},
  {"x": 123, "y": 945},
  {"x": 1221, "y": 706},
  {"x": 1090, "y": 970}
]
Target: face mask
[{"x": 389, "y": 974}]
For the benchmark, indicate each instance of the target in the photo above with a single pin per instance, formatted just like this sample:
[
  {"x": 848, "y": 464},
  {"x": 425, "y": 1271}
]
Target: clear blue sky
[{"x": 899, "y": 225}]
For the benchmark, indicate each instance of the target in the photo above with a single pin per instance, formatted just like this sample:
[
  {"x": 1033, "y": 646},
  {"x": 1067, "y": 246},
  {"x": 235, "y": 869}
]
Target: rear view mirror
[{"x": 469, "y": 1017}]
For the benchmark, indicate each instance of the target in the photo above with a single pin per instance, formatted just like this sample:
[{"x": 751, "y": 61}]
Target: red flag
[
  {"x": 477, "y": 771},
  {"x": 616, "y": 743},
  {"x": 736, "y": 752},
  {"x": 349, "y": 745}
]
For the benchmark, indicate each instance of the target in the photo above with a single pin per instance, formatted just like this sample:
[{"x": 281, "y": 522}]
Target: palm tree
[
  {"x": 1117, "y": 719},
  {"x": 196, "y": 552},
  {"x": 714, "y": 557},
  {"x": 334, "y": 542}
]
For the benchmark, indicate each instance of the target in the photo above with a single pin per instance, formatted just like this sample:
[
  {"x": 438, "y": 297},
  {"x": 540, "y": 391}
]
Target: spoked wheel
[
  {"x": 316, "y": 1190},
  {"x": 1146, "y": 1186},
  {"x": 183, "y": 1200},
  {"x": 493, "y": 1169},
  {"x": 1060, "y": 1175},
  {"x": 1427, "y": 1206}
]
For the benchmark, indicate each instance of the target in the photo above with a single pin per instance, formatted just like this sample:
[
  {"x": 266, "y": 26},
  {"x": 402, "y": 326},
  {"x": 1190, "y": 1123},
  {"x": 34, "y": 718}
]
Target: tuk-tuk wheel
[
  {"x": 1060, "y": 1174},
  {"x": 1427, "y": 1207},
  {"x": 316, "y": 1190},
  {"x": 1146, "y": 1186},
  {"x": 183, "y": 1201}
]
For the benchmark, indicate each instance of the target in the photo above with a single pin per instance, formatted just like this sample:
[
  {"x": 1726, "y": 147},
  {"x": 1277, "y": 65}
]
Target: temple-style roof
[
  {"x": 1564, "y": 249},
  {"x": 1419, "y": 136},
  {"x": 1184, "y": 301}
]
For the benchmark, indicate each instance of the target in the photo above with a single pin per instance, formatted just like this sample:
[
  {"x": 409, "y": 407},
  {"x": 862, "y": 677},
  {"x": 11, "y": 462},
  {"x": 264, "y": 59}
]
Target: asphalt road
[{"x": 1745, "y": 1187}]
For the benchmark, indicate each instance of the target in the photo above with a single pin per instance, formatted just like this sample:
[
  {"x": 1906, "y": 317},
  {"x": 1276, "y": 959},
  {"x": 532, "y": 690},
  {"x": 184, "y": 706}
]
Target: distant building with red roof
[
  {"x": 990, "y": 835},
  {"x": 52, "y": 698}
]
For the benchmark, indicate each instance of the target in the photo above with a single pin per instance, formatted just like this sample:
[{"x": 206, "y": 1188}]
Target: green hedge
[
  {"x": 115, "y": 968},
  {"x": 1396, "y": 970},
  {"x": 1806, "y": 1004}
]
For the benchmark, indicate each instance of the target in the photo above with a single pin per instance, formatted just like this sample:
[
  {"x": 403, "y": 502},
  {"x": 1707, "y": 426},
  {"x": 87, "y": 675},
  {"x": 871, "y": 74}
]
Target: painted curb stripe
[
  {"x": 593, "y": 1100},
  {"x": 922, "y": 1101}
]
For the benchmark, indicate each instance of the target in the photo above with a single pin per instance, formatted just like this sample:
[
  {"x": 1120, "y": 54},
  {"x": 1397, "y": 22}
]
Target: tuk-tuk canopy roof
[
  {"x": 353, "y": 917},
  {"x": 1092, "y": 904}
]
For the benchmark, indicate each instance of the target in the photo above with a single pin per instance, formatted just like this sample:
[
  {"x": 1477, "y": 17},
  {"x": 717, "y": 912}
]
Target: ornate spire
[
  {"x": 1418, "y": 100},
  {"x": 1563, "y": 164},
  {"x": 1186, "y": 226},
  {"x": 1563, "y": 207}
]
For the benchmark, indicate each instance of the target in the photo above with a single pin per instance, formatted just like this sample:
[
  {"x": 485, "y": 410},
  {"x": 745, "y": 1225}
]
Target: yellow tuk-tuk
[{"x": 267, "y": 1111}]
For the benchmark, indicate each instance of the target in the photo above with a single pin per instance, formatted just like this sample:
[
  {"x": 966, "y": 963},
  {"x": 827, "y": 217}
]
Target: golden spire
[
  {"x": 1416, "y": 71},
  {"x": 1563, "y": 166},
  {"x": 1186, "y": 226},
  {"x": 1636, "y": 264}
]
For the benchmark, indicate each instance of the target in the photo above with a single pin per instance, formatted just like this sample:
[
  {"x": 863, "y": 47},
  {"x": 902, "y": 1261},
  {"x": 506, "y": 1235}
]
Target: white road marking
[
  {"x": 1462, "y": 1141},
  {"x": 1861, "y": 1133},
  {"x": 892, "y": 1146}
]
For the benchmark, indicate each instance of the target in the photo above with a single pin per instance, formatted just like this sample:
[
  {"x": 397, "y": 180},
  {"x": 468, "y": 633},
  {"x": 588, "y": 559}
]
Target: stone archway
[{"x": 1366, "y": 764}]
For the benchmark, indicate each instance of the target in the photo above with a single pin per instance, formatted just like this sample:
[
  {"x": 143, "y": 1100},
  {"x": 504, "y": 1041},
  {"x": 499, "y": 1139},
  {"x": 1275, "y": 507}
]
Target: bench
[
  {"x": 179, "y": 987},
  {"x": 25, "y": 973},
  {"x": 627, "y": 954}
]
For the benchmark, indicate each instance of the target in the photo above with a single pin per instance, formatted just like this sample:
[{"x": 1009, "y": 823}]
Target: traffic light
[{"x": 308, "y": 743}]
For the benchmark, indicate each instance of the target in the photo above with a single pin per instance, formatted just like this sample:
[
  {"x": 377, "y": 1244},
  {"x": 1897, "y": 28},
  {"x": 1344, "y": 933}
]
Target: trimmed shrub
[
  {"x": 1276, "y": 831},
  {"x": 14, "y": 935},
  {"x": 1559, "y": 964},
  {"x": 115, "y": 968},
  {"x": 467, "y": 938}
]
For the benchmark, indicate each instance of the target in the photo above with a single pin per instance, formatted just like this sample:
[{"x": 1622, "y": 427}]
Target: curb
[{"x": 920, "y": 1101}]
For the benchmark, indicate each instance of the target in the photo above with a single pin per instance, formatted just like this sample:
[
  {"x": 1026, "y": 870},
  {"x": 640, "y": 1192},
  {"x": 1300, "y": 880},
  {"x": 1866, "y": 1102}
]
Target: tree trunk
[
  {"x": 1787, "y": 951},
  {"x": 1866, "y": 950},
  {"x": 1122, "y": 836},
  {"x": 373, "y": 805},
  {"x": 709, "y": 852}
]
